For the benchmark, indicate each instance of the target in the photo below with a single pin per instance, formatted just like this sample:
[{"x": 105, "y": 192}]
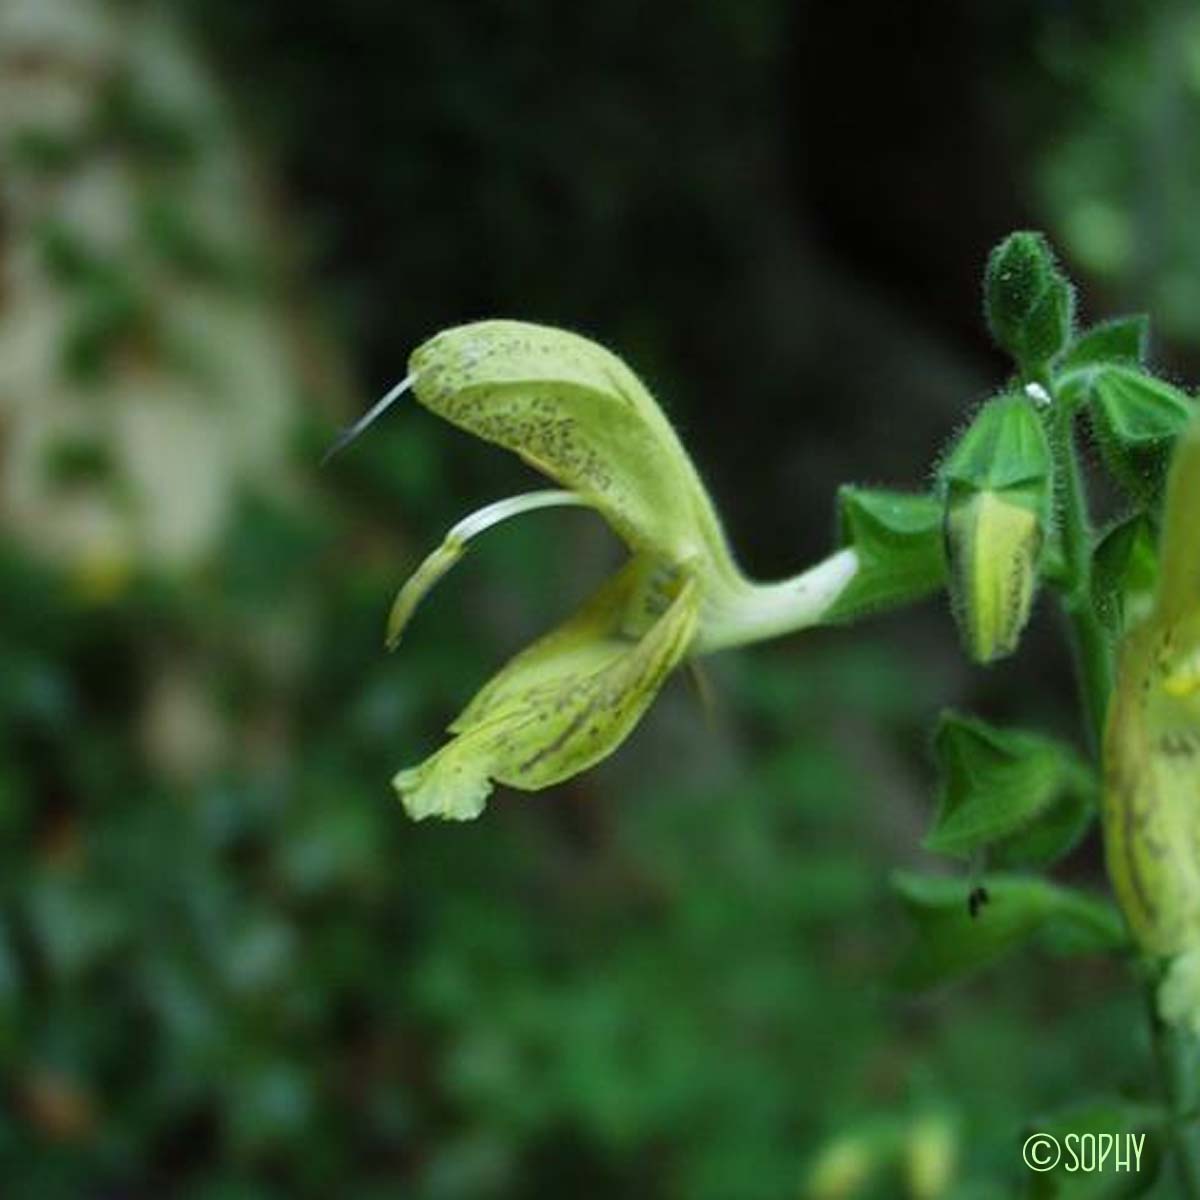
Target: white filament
[{"x": 376, "y": 410}]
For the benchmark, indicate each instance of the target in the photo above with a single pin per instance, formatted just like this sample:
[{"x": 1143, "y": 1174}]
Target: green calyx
[
  {"x": 1024, "y": 798},
  {"x": 897, "y": 537},
  {"x": 1137, "y": 419}
]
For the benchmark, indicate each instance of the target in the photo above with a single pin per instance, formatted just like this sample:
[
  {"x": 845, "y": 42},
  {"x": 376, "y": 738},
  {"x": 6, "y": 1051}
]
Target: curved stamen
[
  {"x": 454, "y": 545},
  {"x": 376, "y": 410}
]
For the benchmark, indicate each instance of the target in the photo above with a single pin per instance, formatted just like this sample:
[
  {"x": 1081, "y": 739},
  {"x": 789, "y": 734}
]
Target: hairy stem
[
  {"x": 1177, "y": 1053},
  {"x": 1093, "y": 653}
]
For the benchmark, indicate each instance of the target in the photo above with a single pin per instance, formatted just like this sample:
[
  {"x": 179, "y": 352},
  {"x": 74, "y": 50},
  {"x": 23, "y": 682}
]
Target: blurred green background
[{"x": 230, "y": 967}]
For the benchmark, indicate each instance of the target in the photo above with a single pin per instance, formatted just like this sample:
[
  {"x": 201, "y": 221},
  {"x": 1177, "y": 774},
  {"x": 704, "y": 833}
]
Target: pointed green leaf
[
  {"x": 1137, "y": 419},
  {"x": 950, "y": 942},
  {"x": 1026, "y": 796},
  {"x": 1123, "y": 340},
  {"x": 1125, "y": 572},
  {"x": 901, "y": 552}
]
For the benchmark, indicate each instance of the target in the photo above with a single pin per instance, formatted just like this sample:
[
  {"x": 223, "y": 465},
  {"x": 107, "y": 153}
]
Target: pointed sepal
[
  {"x": 897, "y": 538},
  {"x": 1024, "y": 797}
]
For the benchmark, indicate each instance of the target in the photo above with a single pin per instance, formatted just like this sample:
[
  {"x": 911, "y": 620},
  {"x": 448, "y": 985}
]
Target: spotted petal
[
  {"x": 559, "y": 707},
  {"x": 1152, "y": 785},
  {"x": 1152, "y": 754},
  {"x": 575, "y": 411}
]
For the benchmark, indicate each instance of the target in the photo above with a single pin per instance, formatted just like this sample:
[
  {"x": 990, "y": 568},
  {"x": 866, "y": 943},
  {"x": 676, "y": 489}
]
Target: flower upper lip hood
[{"x": 577, "y": 413}]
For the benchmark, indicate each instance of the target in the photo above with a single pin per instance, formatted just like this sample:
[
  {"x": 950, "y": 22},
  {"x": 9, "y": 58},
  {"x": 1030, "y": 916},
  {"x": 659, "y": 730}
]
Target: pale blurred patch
[{"x": 146, "y": 373}]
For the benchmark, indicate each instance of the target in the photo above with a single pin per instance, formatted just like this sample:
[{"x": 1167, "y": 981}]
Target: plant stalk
[
  {"x": 1090, "y": 641},
  {"x": 1177, "y": 1053}
]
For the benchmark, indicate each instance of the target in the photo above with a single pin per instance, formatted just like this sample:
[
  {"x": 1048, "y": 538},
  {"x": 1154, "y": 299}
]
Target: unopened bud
[
  {"x": 1028, "y": 302},
  {"x": 998, "y": 485}
]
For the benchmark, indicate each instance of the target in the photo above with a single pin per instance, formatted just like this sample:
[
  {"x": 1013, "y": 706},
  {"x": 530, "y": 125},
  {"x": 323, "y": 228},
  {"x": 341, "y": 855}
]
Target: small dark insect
[{"x": 976, "y": 900}]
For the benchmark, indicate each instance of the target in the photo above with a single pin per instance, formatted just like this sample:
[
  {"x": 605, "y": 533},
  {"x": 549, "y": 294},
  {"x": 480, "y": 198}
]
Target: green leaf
[
  {"x": 1124, "y": 339},
  {"x": 950, "y": 942},
  {"x": 1125, "y": 572},
  {"x": 1085, "y": 1131},
  {"x": 1137, "y": 419},
  {"x": 1026, "y": 796},
  {"x": 901, "y": 551}
]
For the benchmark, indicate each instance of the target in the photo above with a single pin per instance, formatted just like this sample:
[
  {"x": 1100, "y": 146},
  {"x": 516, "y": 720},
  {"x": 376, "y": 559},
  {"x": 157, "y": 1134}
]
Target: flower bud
[
  {"x": 1028, "y": 302},
  {"x": 998, "y": 486}
]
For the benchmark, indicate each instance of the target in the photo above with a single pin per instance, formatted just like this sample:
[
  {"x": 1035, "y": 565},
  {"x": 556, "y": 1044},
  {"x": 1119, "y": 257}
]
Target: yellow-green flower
[
  {"x": 578, "y": 414},
  {"x": 1152, "y": 754}
]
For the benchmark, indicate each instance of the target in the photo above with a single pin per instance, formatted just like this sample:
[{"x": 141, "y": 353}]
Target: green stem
[
  {"x": 1177, "y": 1052},
  {"x": 1093, "y": 653}
]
